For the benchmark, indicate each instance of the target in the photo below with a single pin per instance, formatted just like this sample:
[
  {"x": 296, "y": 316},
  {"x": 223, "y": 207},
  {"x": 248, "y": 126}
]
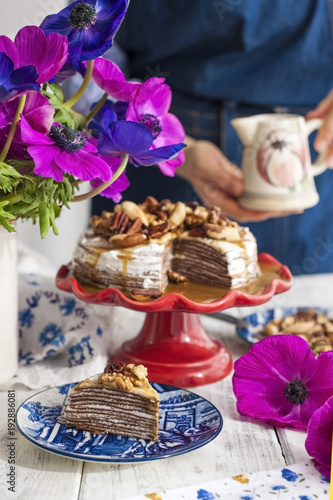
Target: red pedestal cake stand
[{"x": 172, "y": 343}]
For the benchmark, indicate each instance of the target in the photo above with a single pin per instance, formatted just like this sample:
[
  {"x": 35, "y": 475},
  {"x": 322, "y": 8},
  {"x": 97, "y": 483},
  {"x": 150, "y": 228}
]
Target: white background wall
[{"x": 58, "y": 249}]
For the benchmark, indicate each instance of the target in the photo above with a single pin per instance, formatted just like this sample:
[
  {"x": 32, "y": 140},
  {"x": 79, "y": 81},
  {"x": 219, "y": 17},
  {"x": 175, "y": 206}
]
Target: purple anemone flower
[
  {"x": 63, "y": 150},
  {"x": 118, "y": 186},
  {"x": 110, "y": 78},
  {"x": 115, "y": 189},
  {"x": 13, "y": 81},
  {"x": 150, "y": 106},
  {"x": 37, "y": 111},
  {"x": 89, "y": 25},
  {"x": 281, "y": 382},
  {"x": 32, "y": 47},
  {"x": 115, "y": 138},
  {"x": 318, "y": 443}
]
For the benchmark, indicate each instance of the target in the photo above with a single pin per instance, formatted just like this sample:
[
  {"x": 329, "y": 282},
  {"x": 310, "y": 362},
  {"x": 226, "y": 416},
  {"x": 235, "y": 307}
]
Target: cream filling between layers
[{"x": 237, "y": 254}]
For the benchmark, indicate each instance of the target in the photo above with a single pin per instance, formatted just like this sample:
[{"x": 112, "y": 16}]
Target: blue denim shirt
[{"x": 229, "y": 58}]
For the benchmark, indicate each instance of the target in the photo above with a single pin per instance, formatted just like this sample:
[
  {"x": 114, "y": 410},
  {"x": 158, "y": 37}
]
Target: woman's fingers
[{"x": 322, "y": 108}]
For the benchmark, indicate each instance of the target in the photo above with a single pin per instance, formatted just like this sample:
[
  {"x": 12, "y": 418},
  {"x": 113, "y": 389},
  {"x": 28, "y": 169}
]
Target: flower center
[
  {"x": 279, "y": 144},
  {"x": 152, "y": 123},
  {"x": 82, "y": 16},
  {"x": 296, "y": 392},
  {"x": 67, "y": 138}
]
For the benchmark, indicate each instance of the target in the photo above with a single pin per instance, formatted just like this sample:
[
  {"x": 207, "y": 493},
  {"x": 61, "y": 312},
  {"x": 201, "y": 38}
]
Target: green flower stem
[
  {"x": 96, "y": 108},
  {"x": 99, "y": 189},
  {"x": 73, "y": 100},
  {"x": 12, "y": 129}
]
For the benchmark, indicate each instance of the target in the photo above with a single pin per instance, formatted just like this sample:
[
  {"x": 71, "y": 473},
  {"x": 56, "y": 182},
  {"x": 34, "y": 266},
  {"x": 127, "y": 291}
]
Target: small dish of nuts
[{"x": 314, "y": 324}]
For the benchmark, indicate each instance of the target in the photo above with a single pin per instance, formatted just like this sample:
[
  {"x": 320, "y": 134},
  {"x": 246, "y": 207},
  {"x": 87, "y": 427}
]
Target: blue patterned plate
[
  {"x": 257, "y": 321},
  {"x": 186, "y": 422}
]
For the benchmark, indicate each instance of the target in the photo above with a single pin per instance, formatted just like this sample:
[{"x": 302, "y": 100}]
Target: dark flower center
[
  {"x": 279, "y": 144},
  {"x": 152, "y": 123},
  {"x": 296, "y": 392},
  {"x": 67, "y": 138},
  {"x": 82, "y": 16}
]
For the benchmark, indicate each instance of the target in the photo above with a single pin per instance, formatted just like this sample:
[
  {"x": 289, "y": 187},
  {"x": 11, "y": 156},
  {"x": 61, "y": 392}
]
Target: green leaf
[
  {"x": 44, "y": 221},
  {"x": 70, "y": 118},
  {"x": 9, "y": 177},
  {"x": 5, "y": 216}
]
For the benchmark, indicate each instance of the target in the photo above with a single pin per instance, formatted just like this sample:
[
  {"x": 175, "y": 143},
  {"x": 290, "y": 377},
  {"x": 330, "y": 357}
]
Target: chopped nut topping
[
  {"x": 312, "y": 326},
  {"x": 131, "y": 225},
  {"x": 177, "y": 277}
]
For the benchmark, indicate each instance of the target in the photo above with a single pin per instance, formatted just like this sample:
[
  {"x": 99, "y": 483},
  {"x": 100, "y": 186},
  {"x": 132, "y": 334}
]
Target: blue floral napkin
[
  {"x": 295, "y": 482},
  {"x": 61, "y": 338}
]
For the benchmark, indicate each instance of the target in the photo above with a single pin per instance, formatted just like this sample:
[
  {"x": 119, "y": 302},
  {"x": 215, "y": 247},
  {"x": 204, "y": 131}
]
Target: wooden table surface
[{"x": 243, "y": 445}]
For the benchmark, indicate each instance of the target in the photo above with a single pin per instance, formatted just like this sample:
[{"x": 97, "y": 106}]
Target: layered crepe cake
[
  {"x": 140, "y": 248},
  {"x": 119, "y": 401}
]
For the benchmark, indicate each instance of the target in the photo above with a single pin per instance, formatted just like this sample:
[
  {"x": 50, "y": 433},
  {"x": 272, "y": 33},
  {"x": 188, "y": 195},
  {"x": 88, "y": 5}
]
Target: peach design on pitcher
[{"x": 282, "y": 158}]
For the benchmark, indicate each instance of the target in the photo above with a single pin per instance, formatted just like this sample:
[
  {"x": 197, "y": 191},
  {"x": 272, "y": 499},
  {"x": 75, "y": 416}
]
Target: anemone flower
[
  {"x": 115, "y": 189},
  {"x": 116, "y": 138},
  {"x": 318, "y": 443},
  {"x": 281, "y": 382},
  {"x": 63, "y": 150},
  {"x": 150, "y": 106},
  {"x": 32, "y": 47},
  {"x": 89, "y": 25},
  {"x": 17, "y": 80},
  {"x": 38, "y": 113},
  {"x": 110, "y": 78}
]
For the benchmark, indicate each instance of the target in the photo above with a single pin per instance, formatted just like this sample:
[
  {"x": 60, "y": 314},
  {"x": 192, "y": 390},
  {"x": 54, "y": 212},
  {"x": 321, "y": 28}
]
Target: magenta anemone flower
[
  {"x": 38, "y": 113},
  {"x": 63, "y": 150},
  {"x": 117, "y": 137},
  {"x": 110, "y": 78},
  {"x": 281, "y": 382},
  {"x": 32, "y": 47},
  {"x": 318, "y": 443},
  {"x": 89, "y": 25},
  {"x": 13, "y": 81},
  {"x": 150, "y": 106},
  {"x": 115, "y": 189}
]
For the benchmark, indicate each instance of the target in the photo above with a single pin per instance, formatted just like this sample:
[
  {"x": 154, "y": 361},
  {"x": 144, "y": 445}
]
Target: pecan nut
[
  {"x": 114, "y": 367},
  {"x": 120, "y": 222},
  {"x": 135, "y": 227},
  {"x": 159, "y": 230},
  {"x": 197, "y": 232}
]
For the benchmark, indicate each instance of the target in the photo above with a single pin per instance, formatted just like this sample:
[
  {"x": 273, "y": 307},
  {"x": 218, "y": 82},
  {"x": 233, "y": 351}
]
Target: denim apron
[{"x": 250, "y": 84}]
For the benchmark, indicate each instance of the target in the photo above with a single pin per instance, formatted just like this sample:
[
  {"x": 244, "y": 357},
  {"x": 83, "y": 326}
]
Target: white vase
[{"x": 8, "y": 305}]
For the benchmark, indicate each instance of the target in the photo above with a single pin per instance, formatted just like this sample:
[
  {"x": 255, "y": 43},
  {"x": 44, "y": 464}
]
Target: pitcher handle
[{"x": 319, "y": 166}]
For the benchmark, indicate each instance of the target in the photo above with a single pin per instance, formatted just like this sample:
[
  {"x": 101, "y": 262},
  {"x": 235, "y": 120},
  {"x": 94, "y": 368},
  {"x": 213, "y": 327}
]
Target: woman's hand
[
  {"x": 324, "y": 138},
  {"x": 217, "y": 181}
]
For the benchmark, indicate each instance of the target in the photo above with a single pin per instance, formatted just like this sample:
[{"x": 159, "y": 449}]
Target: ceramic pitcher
[{"x": 276, "y": 163}]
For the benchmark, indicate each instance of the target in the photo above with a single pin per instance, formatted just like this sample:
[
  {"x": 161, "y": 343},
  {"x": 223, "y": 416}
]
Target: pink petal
[
  {"x": 169, "y": 167},
  {"x": 319, "y": 440},
  {"x": 33, "y": 137},
  {"x": 47, "y": 53},
  {"x": 110, "y": 78},
  {"x": 262, "y": 374},
  {"x": 38, "y": 112},
  {"x": 83, "y": 165},
  {"x": 172, "y": 131},
  {"x": 44, "y": 158},
  {"x": 152, "y": 97},
  {"x": 8, "y": 47}
]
